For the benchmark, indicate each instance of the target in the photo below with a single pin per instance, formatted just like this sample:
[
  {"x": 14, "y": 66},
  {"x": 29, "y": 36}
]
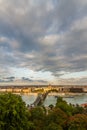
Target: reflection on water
[
  {"x": 50, "y": 99},
  {"x": 29, "y": 98}
]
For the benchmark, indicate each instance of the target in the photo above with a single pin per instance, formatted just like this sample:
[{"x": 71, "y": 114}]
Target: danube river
[{"x": 51, "y": 98}]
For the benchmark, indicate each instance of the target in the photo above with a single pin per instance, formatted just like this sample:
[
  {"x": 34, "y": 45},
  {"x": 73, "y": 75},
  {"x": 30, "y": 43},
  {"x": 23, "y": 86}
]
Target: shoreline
[{"x": 51, "y": 93}]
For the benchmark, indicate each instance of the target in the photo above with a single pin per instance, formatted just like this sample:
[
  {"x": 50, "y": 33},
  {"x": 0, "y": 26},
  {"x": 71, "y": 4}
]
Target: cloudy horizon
[{"x": 43, "y": 41}]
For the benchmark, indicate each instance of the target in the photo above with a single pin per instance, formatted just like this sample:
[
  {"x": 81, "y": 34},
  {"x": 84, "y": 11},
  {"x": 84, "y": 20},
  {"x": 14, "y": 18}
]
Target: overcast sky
[{"x": 43, "y": 41}]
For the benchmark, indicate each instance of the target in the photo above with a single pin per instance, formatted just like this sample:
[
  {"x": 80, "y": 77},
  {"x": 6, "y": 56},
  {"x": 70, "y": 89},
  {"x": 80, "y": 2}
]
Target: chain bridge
[{"x": 41, "y": 97}]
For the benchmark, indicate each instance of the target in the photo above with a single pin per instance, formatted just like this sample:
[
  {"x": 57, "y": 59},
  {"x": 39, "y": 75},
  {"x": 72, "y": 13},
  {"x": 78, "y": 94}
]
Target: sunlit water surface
[{"x": 51, "y": 99}]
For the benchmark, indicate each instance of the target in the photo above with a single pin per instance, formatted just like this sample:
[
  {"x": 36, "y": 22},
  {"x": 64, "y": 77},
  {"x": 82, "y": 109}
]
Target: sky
[{"x": 43, "y": 42}]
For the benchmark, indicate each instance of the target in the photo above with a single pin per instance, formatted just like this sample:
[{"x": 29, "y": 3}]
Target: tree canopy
[{"x": 15, "y": 115}]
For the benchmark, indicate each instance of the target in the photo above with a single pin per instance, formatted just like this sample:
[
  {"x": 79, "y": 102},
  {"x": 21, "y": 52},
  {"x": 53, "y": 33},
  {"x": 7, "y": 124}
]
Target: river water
[{"x": 51, "y": 98}]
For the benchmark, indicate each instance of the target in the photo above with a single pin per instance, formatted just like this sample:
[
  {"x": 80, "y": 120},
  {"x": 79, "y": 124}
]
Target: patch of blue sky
[
  {"x": 36, "y": 75},
  {"x": 75, "y": 75}
]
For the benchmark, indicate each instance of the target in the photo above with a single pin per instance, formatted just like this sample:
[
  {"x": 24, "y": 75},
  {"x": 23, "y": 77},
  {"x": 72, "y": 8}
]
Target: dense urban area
[{"x": 43, "y": 88}]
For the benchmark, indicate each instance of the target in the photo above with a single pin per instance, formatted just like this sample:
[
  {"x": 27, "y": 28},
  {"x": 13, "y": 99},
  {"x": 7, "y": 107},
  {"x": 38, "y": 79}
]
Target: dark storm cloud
[
  {"x": 42, "y": 81},
  {"x": 26, "y": 79},
  {"x": 44, "y": 35},
  {"x": 7, "y": 79},
  {"x": 32, "y": 80},
  {"x": 10, "y": 78}
]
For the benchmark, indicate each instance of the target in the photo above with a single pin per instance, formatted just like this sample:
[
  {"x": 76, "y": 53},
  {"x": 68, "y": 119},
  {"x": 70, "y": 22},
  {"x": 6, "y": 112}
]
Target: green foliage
[
  {"x": 53, "y": 126},
  {"x": 13, "y": 113},
  {"x": 56, "y": 119},
  {"x": 77, "y": 122},
  {"x": 57, "y": 116},
  {"x": 38, "y": 117},
  {"x": 78, "y": 110},
  {"x": 37, "y": 113},
  {"x": 64, "y": 106}
]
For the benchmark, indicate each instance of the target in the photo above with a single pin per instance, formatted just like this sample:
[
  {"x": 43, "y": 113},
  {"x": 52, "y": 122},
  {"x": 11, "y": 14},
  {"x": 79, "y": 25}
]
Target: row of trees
[{"x": 14, "y": 115}]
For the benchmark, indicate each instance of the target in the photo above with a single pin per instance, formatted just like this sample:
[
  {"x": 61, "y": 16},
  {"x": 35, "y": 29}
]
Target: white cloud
[
  {"x": 80, "y": 24},
  {"x": 49, "y": 40},
  {"x": 49, "y": 36}
]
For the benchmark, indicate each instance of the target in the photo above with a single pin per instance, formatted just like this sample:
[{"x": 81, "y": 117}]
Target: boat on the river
[
  {"x": 68, "y": 96},
  {"x": 65, "y": 96}
]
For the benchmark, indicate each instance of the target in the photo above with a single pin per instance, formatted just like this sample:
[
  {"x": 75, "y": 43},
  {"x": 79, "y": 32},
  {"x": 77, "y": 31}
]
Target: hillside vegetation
[{"x": 15, "y": 115}]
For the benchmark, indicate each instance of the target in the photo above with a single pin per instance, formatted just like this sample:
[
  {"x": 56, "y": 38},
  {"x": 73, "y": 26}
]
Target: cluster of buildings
[
  {"x": 16, "y": 90},
  {"x": 30, "y": 89}
]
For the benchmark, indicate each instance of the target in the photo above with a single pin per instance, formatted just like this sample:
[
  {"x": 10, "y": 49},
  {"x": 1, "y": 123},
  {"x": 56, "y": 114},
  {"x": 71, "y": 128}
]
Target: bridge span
[{"x": 41, "y": 97}]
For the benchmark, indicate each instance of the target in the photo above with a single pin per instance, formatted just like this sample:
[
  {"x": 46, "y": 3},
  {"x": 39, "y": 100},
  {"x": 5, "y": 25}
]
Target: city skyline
[{"x": 43, "y": 42}]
